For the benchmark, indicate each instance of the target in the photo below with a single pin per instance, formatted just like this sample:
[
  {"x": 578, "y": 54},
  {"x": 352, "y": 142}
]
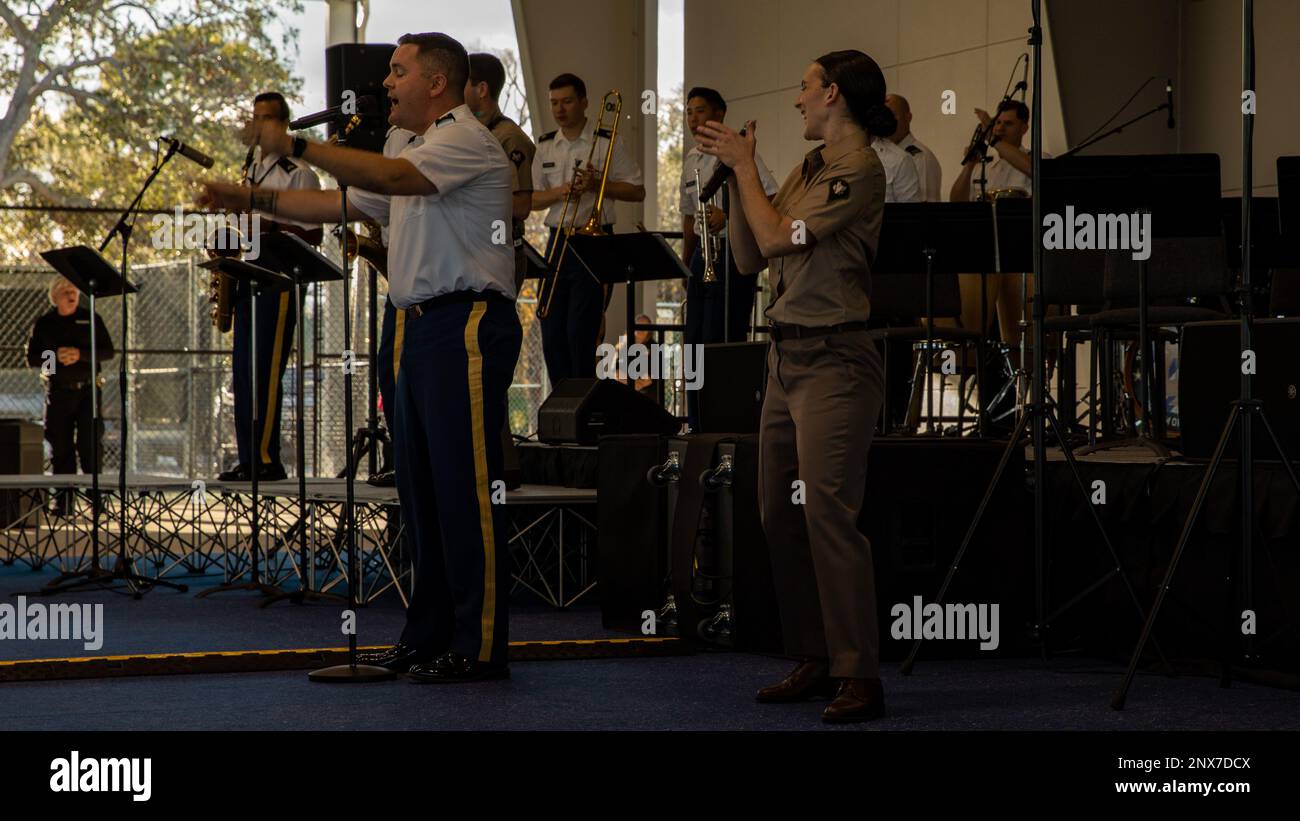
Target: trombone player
[{"x": 567, "y": 173}]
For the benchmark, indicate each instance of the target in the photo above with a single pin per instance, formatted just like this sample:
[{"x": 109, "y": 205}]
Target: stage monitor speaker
[
  {"x": 360, "y": 68},
  {"x": 22, "y": 451},
  {"x": 1210, "y": 381},
  {"x": 731, "y": 396},
  {"x": 582, "y": 410}
]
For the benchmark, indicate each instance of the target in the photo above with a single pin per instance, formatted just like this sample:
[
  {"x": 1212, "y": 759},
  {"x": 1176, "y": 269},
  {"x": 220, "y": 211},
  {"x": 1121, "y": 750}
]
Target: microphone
[
  {"x": 188, "y": 152},
  {"x": 1169, "y": 100},
  {"x": 717, "y": 178},
  {"x": 365, "y": 105},
  {"x": 248, "y": 163}
]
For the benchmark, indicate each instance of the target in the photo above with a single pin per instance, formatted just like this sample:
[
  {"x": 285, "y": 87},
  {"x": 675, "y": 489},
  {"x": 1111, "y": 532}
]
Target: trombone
[{"x": 569, "y": 221}]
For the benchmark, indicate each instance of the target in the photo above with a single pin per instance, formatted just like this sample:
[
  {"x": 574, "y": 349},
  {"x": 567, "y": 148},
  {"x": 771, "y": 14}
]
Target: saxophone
[{"x": 221, "y": 288}]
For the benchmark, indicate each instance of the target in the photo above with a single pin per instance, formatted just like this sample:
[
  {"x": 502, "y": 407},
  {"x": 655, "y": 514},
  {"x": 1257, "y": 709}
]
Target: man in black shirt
[{"x": 60, "y": 347}]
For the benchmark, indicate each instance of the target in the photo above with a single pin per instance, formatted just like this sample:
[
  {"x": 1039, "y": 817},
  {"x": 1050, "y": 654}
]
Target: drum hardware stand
[
  {"x": 1038, "y": 414},
  {"x": 71, "y": 262},
  {"x": 1240, "y": 420}
]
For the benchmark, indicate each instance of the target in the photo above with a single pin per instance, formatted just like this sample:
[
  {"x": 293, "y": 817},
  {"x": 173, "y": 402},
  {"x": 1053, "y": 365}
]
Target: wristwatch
[{"x": 299, "y": 146}]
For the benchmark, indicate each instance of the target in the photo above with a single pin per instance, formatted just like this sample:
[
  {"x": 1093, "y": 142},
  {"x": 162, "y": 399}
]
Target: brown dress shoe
[
  {"x": 810, "y": 678},
  {"x": 858, "y": 699}
]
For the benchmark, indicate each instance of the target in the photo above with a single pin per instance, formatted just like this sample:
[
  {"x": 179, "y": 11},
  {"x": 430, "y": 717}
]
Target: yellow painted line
[{"x": 310, "y": 651}]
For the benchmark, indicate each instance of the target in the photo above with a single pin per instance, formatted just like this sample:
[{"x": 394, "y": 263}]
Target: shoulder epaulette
[
  {"x": 550, "y": 135},
  {"x": 911, "y": 149},
  {"x": 287, "y": 164}
]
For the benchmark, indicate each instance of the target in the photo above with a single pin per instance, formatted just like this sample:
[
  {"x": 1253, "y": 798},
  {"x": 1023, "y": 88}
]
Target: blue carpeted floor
[{"x": 705, "y": 691}]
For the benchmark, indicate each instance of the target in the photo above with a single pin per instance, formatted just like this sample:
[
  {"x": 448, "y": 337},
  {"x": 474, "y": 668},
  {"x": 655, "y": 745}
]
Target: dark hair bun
[{"x": 881, "y": 121}]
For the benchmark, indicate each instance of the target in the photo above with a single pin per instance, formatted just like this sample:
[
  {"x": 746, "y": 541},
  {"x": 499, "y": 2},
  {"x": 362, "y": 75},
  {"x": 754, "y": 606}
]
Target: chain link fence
[{"x": 180, "y": 400}]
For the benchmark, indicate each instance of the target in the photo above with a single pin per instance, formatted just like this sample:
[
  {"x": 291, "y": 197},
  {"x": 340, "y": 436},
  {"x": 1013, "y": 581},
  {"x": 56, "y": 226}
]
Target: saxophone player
[{"x": 276, "y": 313}]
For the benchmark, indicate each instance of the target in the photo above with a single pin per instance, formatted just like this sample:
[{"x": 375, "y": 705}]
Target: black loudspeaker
[
  {"x": 22, "y": 451},
  {"x": 632, "y": 538},
  {"x": 731, "y": 394},
  {"x": 1210, "y": 381},
  {"x": 582, "y": 410},
  {"x": 360, "y": 68}
]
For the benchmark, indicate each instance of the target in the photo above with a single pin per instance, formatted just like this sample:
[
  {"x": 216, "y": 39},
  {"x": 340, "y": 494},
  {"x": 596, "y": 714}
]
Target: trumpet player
[
  {"x": 276, "y": 312},
  {"x": 718, "y": 305},
  {"x": 567, "y": 171}
]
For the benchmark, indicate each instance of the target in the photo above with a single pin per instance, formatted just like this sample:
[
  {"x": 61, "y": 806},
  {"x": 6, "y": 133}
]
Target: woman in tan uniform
[{"x": 824, "y": 385}]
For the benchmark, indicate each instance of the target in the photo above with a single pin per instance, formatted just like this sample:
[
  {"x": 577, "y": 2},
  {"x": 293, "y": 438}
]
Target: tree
[{"x": 95, "y": 82}]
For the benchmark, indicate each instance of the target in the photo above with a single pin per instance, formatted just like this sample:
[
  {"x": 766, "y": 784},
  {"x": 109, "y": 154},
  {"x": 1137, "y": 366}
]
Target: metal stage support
[{"x": 180, "y": 529}]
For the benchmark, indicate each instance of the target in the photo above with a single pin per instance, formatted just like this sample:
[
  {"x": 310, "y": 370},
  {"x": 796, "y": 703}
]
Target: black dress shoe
[
  {"x": 398, "y": 658},
  {"x": 384, "y": 478},
  {"x": 271, "y": 473},
  {"x": 858, "y": 699},
  {"x": 453, "y": 668},
  {"x": 239, "y": 473},
  {"x": 811, "y": 678}
]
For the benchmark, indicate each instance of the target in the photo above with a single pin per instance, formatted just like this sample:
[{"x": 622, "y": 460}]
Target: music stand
[
  {"x": 938, "y": 238},
  {"x": 628, "y": 258},
  {"x": 1182, "y": 193},
  {"x": 1017, "y": 244},
  {"x": 1246, "y": 408},
  {"x": 259, "y": 280},
  {"x": 304, "y": 265},
  {"x": 85, "y": 268}
]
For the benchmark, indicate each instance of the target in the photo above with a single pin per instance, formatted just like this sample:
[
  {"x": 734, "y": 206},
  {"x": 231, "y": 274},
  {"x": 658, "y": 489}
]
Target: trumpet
[
  {"x": 707, "y": 238},
  {"x": 572, "y": 200}
]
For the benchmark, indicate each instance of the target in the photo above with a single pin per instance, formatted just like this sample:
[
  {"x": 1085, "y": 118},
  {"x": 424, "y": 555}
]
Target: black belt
[
  {"x": 782, "y": 332},
  {"x": 453, "y": 298},
  {"x": 69, "y": 386}
]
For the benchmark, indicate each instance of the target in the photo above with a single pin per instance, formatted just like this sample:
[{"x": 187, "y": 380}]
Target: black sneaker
[{"x": 271, "y": 473}]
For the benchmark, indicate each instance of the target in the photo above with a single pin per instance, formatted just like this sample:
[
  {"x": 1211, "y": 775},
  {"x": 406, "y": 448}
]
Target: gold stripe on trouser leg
[
  {"x": 399, "y": 331},
  {"x": 479, "y": 434},
  {"x": 272, "y": 375}
]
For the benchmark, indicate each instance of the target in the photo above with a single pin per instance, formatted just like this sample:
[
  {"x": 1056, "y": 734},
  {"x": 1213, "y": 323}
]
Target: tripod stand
[
  {"x": 95, "y": 277},
  {"x": 259, "y": 280},
  {"x": 1037, "y": 414},
  {"x": 1240, "y": 420}
]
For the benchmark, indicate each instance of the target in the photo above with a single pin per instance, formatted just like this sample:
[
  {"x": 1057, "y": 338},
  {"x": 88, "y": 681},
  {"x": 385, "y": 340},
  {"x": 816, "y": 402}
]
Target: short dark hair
[
  {"x": 863, "y": 85},
  {"x": 274, "y": 97},
  {"x": 709, "y": 96},
  {"x": 446, "y": 54},
  {"x": 486, "y": 68},
  {"x": 567, "y": 79},
  {"x": 1022, "y": 110}
]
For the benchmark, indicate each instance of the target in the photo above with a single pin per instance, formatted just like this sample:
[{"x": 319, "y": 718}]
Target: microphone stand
[
  {"x": 121, "y": 571},
  {"x": 1162, "y": 107},
  {"x": 350, "y": 673}
]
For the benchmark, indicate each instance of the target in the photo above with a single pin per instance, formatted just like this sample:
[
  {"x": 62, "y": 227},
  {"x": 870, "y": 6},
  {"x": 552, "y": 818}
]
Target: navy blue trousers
[
  {"x": 457, "y": 363},
  {"x": 569, "y": 331},
  {"x": 276, "y": 318},
  {"x": 391, "y": 334}
]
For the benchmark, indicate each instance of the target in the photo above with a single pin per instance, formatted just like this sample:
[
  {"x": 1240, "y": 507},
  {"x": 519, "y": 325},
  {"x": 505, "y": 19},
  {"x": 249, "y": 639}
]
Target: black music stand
[
  {"x": 1182, "y": 193},
  {"x": 1246, "y": 408},
  {"x": 96, "y": 278},
  {"x": 939, "y": 238},
  {"x": 260, "y": 280},
  {"x": 628, "y": 258},
  {"x": 304, "y": 265},
  {"x": 1038, "y": 412}
]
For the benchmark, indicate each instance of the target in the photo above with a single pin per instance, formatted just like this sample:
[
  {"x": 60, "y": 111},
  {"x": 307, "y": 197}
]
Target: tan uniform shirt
[
  {"x": 839, "y": 194},
  {"x": 520, "y": 151}
]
